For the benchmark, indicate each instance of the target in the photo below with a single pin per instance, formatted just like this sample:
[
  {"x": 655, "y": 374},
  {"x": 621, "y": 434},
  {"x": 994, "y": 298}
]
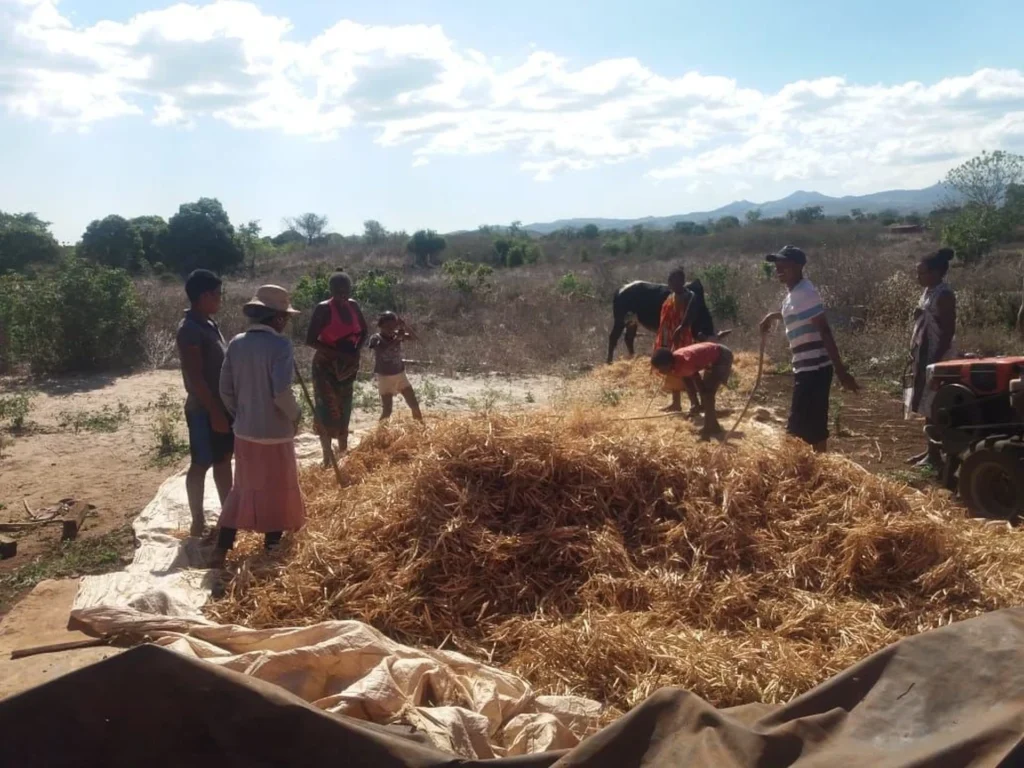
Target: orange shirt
[
  {"x": 672, "y": 313},
  {"x": 695, "y": 358}
]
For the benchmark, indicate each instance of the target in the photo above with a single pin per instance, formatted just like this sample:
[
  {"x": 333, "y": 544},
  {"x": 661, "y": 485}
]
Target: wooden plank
[
  {"x": 73, "y": 520},
  {"x": 8, "y": 547},
  {"x": 21, "y": 653}
]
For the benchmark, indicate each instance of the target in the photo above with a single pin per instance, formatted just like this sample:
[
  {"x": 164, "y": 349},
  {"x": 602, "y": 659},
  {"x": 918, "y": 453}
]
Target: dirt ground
[{"x": 116, "y": 471}]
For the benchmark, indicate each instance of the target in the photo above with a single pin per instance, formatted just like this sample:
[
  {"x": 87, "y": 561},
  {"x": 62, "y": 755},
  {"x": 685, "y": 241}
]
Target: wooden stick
[
  {"x": 319, "y": 426},
  {"x": 15, "y": 527},
  {"x": 92, "y": 642},
  {"x": 757, "y": 383}
]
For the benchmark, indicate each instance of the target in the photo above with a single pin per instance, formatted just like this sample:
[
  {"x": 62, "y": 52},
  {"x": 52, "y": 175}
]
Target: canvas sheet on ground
[
  {"x": 950, "y": 697},
  {"x": 463, "y": 707}
]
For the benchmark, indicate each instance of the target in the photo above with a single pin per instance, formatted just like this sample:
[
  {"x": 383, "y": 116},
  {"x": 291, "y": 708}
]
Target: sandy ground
[
  {"x": 118, "y": 471},
  {"x": 115, "y": 471}
]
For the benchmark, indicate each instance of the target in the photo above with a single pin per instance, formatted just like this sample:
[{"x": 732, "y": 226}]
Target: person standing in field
[
  {"x": 931, "y": 340},
  {"x": 201, "y": 351},
  {"x": 675, "y": 331},
  {"x": 815, "y": 354},
  {"x": 256, "y": 387},
  {"x": 389, "y": 367},
  {"x": 337, "y": 331}
]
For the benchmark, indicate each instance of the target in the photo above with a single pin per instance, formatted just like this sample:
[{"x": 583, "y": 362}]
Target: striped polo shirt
[{"x": 802, "y": 304}]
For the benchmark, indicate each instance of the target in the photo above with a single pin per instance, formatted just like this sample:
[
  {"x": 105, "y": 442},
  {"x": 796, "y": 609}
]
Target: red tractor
[{"x": 977, "y": 419}]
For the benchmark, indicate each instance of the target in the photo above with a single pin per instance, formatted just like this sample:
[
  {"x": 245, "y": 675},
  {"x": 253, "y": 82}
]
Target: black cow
[{"x": 640, "y": 303}]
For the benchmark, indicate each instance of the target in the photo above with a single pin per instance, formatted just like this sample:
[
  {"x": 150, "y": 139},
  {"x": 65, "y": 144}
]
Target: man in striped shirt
[{"x": 815, "y": 355}]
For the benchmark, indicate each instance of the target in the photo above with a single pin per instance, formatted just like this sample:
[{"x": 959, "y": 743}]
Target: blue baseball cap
[{"x": 788, "y": 253}]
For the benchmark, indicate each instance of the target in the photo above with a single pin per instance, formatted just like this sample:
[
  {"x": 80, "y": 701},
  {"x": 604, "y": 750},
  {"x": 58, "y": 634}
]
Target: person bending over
[{"x": 687, "y": 363}]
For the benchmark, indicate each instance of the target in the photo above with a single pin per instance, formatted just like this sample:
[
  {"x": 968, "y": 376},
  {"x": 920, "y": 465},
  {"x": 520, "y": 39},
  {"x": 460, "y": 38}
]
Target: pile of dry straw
[{"x": 610, "y": 558}]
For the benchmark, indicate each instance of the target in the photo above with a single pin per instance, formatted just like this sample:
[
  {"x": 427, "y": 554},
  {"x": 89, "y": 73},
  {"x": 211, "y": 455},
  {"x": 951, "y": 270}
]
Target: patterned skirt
[{"x": 333, "y": 388}]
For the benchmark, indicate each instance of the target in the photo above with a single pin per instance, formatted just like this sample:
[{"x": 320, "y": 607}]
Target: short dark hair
[
  {"x": 677, "y": 273},
  {"x": 339, "y": 277},
  {"x": 939, "y": 260},
  {"x": 662, "y": 357},
  {"x": 386, "y": 317},
  {"x": 199, "y": 282}
]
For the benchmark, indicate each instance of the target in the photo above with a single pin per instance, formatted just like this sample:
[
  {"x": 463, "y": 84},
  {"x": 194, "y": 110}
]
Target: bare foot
[
  {"x": 694, "y": 412},
  {"x": 196, "y": 531},
  {"x": 672, "y": 409}
]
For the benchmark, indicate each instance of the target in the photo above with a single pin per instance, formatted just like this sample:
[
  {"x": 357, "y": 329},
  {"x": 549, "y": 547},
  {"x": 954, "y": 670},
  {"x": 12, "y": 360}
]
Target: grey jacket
[{"x": 256, "y": 385}]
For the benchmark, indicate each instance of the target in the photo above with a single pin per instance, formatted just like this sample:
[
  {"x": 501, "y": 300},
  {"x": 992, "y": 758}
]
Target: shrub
[
  {"x": 571, "y": 286},
  {"x": 312, "y": 289},
  {"x": 377, "y": 289},
  {"x": 973, "y": 232},
  {"x": 516, "y": 252},
  {"x": 80, "y": 317},
  {"x": 717, "y": 280},
  {"x": 14, "y": 409},
  {"x": 466, "y": 277}
]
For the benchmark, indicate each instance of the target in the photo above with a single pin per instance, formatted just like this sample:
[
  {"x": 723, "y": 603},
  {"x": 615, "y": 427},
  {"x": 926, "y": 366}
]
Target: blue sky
[{"x": 536, "y": 111}]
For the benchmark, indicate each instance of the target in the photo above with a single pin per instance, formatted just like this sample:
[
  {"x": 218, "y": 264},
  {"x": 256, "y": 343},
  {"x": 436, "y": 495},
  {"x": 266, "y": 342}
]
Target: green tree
[
  {"x": 685, "y": 228},
  {"x": 81, "y": 317},
  {"x": 252, "y": 245},
  {"x": 288, "y": 237},
  {"x": 152, "y": 230},
  {"x": 888, "y": 216},
  {"x": 590, "y": 231},
  {"x": 25, "y": 239},
  {"x": 974, "y": 232},
  {"x": 200, "y": 235},
  {"x": 514, "y": 253},
  {"x": 374, "y": 232},
  {"x": 753, "y": 215},
  {"x": 725, "y": 223},
  {"x": 857, "y": 214},
  {"x": 985, "y": 179},
  {"x": 425, "y": 245},
  {"x": 113, "y": 242},
  {"x": 310, "y": 225},
  {"x": 806, "y": 215}
]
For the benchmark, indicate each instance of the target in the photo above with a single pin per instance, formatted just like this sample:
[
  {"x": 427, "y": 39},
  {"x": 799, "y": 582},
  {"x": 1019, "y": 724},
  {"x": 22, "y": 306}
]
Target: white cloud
[{"x": 413, "y": 86}]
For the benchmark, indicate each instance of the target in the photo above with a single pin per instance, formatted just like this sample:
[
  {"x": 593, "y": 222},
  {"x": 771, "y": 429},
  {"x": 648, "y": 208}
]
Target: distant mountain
[{"x": 900, "y": 200}]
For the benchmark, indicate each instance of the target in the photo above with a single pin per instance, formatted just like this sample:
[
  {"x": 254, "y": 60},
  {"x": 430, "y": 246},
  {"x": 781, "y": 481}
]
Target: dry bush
[
  {"x": 608, "y": 558},
  {"x": 517, "y": 322}
]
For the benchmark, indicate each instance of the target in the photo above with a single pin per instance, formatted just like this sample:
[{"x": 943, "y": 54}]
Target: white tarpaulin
[{"x": 348, "y": 667}]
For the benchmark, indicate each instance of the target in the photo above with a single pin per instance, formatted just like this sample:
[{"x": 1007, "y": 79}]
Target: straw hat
[{"x": 272, "y": 297}]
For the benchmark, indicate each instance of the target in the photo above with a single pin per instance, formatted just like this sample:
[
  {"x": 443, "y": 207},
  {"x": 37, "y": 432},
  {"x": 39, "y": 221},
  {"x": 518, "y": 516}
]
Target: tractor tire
[{"x": 991, "y": 481}]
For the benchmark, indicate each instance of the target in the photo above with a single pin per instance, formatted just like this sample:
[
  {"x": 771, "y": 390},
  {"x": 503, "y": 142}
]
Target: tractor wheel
[{"x": 991, "y": 481}]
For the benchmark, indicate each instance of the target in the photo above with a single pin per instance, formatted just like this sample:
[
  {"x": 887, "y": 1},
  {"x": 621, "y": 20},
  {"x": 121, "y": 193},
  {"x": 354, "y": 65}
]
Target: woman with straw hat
[{"x": 256, "y": 387}]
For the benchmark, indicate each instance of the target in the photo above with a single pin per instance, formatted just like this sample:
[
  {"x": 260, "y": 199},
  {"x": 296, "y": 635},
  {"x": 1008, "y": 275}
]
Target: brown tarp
[{"x": 950, "y": 697}]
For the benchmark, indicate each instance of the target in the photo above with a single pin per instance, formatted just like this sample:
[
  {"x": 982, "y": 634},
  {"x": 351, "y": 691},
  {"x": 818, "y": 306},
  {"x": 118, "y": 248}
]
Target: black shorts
[
  {"x": 207, "y": 447},
  {"x": 808, "y": 413}
]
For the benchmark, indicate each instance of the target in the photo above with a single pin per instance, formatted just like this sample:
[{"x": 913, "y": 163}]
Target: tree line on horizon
[{"x": 200, "y": 233}]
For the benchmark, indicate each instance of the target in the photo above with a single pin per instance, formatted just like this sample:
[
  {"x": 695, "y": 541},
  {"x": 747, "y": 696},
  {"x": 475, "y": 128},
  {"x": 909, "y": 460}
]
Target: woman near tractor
[{"x": 931, "y": 340}]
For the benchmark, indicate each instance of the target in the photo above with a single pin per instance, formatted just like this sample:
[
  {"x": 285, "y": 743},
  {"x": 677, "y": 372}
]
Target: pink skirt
[{"x": 265, "y": 496}]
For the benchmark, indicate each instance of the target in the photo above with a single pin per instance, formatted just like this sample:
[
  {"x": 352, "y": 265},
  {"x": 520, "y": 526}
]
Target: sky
[{"x": 449, "y": 114}]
